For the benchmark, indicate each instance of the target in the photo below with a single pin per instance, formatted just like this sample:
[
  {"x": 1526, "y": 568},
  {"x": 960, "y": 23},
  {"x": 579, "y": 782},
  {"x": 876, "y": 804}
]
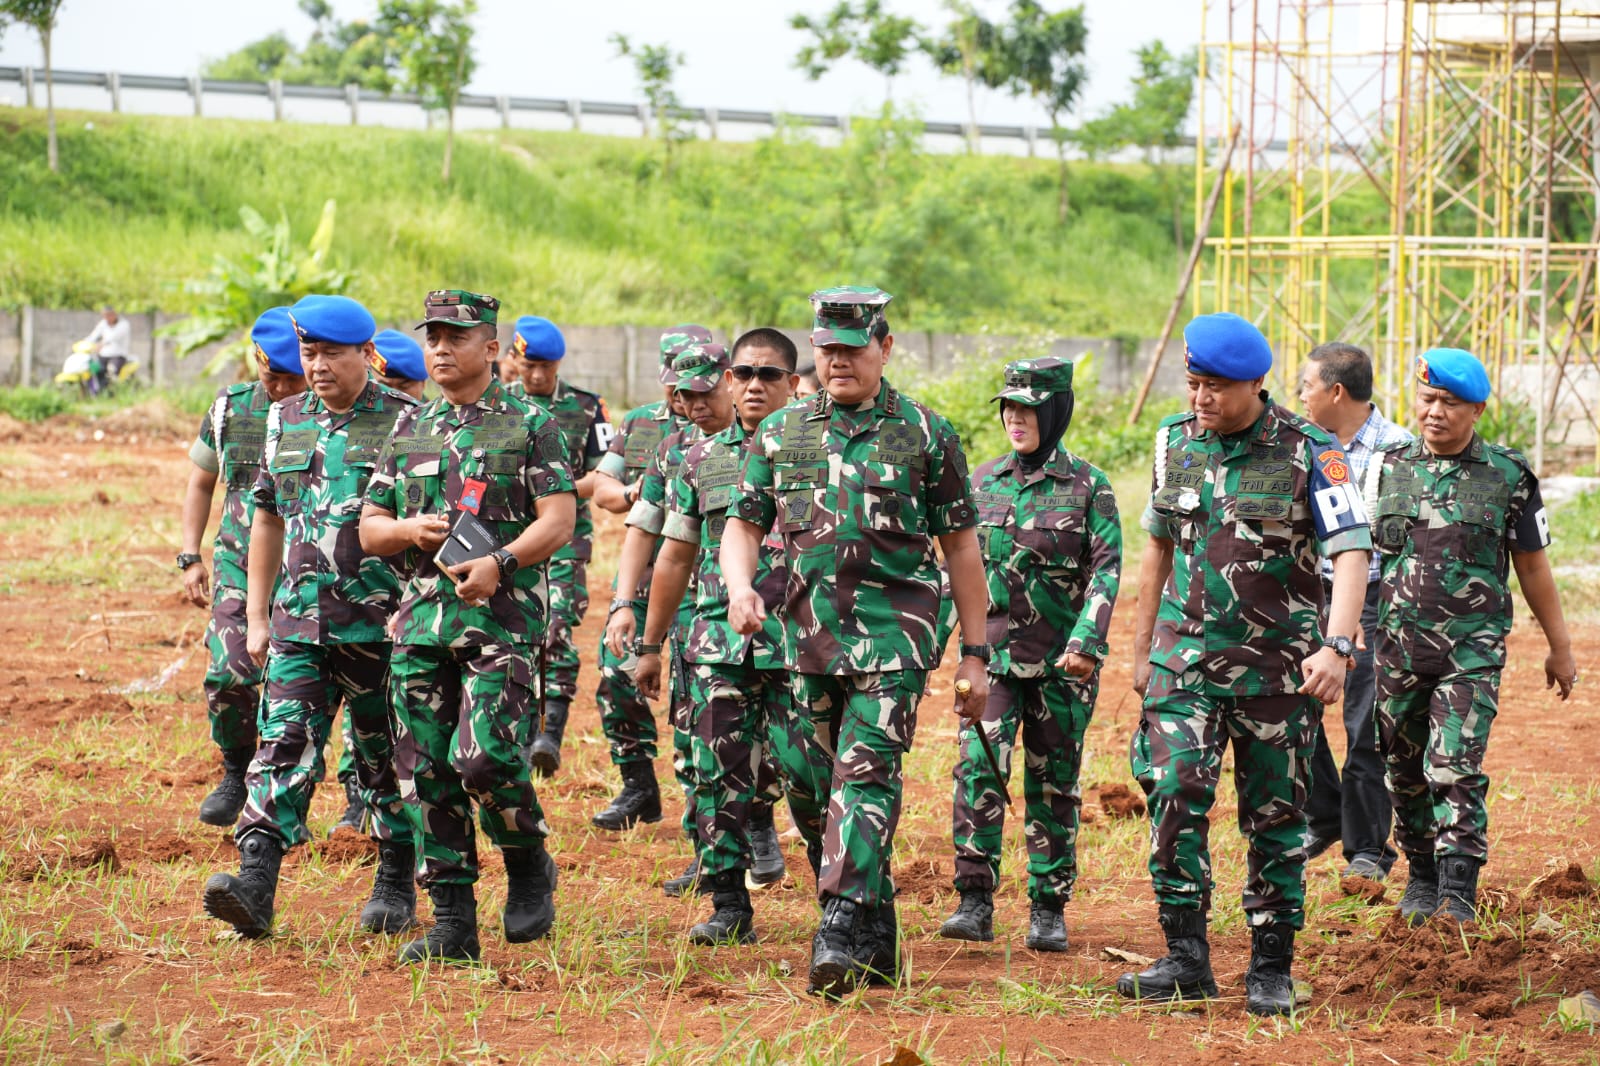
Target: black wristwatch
[
  {"x": 506, "y": 561},
  {"x": 187, "y": 559},
  {"x": 978, "y": 651},
  {"x": 617, "y": 605},
  {"x": 1343, "y": 647},
  {"x": 641, "y": 648}
]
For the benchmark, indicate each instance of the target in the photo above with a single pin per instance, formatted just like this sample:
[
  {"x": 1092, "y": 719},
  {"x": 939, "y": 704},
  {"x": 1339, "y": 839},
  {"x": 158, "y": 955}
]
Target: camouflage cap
[
  {"x": 676, "y": 341},
  {"x": 847, "y": 314},
  {"x": 1033, "y": 381},
  {"x": 699, "y": 367},
  {"x": 460, "y": 307}
]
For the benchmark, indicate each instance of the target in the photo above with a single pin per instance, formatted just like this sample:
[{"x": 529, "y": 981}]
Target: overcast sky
[{"x": 739, "y": 52}]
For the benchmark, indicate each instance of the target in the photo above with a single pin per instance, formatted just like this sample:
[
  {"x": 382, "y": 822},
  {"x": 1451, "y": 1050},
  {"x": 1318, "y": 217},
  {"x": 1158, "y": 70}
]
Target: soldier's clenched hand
[
  {"x": 197, "y": 585},
  {"x": 476, "y": 580},
  {"x": 648, "y": 675},
  {"x": 746, "y": 612},
  {"x": 1324, "y": 676},
  {"x": 619, "y": 631},
  {"x": 1077, "y": 664},
  {"x": 1141, "y": 676},
  {"x": 257, "y": 635},
  {"x": 972, "y": 688},
  {"x": 1561, "y": 669},
  {"x": 427, "y": 531}
]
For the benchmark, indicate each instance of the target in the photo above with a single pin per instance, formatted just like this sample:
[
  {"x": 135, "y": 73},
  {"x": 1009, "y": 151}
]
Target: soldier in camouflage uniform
[
  {"x": 625, "y": 717},
  {"x": 586, "y": 428},
  {"x": 859, "y": 482},
  {"x": 327, "y": 618},
  {"x": 229, "y": 445},
  {"x": 463, "y": 672},
  {"x": 1452, "y": 515},
  {"x": 1246, "y": 497},
  {"x": 742, "y": 720},
  {"x": 397, "y": 363},
  {"x": 1052, "y": 547}
]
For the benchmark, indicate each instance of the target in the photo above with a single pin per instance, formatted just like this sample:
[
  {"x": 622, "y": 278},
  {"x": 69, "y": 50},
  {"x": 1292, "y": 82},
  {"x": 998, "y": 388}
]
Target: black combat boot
[
  {"x": 836, "y": 952},
  {"x": 544, "y": 754},
  {"x": 688, "y": 881},
  {"x": 639, "y": 800},
  {"x": 766, "y": 866},
  {"x": 1458, "y": 888},
  {"x": 883, "y": 960},
  {"x": 354, "y": 817},
  {"x": 454, "y": 936},
  {"x": 1185, "y": 971},
  {"x": 1047, "y": 930},
  {"x": 1268, "y": 988},
  {"x": 974, "y": 917},
  {"x": 530, "y": 893},
  {"x": 732, "y": 918},
  {"x": 393, "y": 906},
  {"x": 1421, "y": 897},
  {"x": 222, "y": 807},
  {"x": 245, "y": 901}
]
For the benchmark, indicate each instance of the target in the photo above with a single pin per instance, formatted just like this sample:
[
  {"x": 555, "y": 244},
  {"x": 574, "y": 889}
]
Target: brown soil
[
  {"x": 1363, "y": 888},
  {"x": 102, "y": 864}
]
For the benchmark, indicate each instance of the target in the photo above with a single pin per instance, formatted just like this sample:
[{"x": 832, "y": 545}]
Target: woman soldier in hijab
[{"x": 1052, "y": 548}]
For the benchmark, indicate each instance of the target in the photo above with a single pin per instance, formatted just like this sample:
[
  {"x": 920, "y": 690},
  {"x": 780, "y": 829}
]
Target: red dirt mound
[
  {"x": 347, "y": 845},
  {"x": 1363, "y": 887},
  {"x": 1119, "y": 801},
  {"x": 95, "y": 851},
  {"x": 1563, "y": 884}
]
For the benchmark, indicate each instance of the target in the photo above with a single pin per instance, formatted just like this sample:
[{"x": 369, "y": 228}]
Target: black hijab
[{"x": 1055, "y": 415}]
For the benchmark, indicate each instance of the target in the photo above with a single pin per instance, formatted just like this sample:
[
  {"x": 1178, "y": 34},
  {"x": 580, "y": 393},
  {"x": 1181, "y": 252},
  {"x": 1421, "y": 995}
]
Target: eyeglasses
[{"x": 770, "y": 374}]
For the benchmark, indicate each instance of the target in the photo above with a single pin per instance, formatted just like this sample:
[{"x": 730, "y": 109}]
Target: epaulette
[
  {"x": 404, "y": 399},
  {"x": 1180, "y": 417},
  {"x": 1512, "y": 454},
  {"x": 239, "y": 388},
  {"x": 1396, "y": 445}
]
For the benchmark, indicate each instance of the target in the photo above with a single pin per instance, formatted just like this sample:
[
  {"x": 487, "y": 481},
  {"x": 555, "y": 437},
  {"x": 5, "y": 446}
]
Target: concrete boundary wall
[{"x": 619, "y": 362}]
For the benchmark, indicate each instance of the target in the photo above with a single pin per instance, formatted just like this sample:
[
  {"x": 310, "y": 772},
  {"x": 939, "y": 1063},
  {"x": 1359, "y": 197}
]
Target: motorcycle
[{"x": 84, "y": 369}]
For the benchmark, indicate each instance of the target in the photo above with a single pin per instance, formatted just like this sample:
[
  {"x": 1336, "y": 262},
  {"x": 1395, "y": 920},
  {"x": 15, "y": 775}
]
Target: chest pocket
[
  {"x": 718, "y": 476},
  {"x": 242, "y": 454},
  {"x": 892, "y": 500},
  {"x": 1392, "y": 526},
  {"x": 641, "y": 448},
  {"x": 420, "y": 484},
  {"x": 1481, "y": 500},
  {"x": 1263, "y": 503},
  {"x": 1054, "y": 536},
  {"x": 291, "y": 473},
  {"x": 994, "y": 524}
]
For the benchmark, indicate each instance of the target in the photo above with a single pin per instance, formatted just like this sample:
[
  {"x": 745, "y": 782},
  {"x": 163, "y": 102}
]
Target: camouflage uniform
[
  {"x": 1248, "y": 514},
  {"x": 328, "y": 614},
  {"x": 232, "y": 436},
  {"x": 743, "y": 709},
  {"x": 1052, "y": 547},
  {"x": 1444, "y": 528},
  {"x": 586, "y": 429},
  {"x": 857, "y": 496},
  {"x": 625, "y": 716},
  {"x": 649, "y": 514},
  {"x": 463, "y": 677}
]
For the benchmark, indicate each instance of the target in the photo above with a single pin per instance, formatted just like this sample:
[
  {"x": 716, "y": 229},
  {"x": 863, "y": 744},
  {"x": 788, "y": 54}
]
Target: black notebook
[{"x": 469, "y": 539}]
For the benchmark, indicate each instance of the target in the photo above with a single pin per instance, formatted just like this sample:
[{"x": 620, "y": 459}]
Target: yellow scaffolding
[{"x": 1412, "y": 174}]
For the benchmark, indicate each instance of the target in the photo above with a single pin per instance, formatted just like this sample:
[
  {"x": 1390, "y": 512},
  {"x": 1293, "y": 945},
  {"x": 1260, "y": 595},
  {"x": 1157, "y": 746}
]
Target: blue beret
[
  {"x": 1224, "y": 345},
  {"x": 537, "y": 339},
  {"x": 398, "y": 356},
  {"x": 1455, "y": 371},
  {"x": 334, "y": 319},
  {"x": 277, "y": 347}
]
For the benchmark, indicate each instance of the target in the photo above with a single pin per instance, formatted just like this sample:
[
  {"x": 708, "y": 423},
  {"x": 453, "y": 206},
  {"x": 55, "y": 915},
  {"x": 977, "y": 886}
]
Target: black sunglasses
[{"x": 770, "y": 374}]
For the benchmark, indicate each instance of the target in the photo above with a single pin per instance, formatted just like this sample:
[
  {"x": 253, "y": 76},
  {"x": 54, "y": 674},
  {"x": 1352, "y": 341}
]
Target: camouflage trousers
[
  {"x": 746, "y": 747},
  {"x": 304, "y": 685},
  {"x": 568, "y": 581},
  {"x": 233, "y": 680},
  {"x": 1433, "y": 732},
  {"x": 1053, "y": 714},
  {"x": 625, "y": 717},
  {"x": 680, "y": 715},
  {"x": 862, "y": 725},
  {"x": 1273, "y": 740},
  {"x": 463, "y": 717}
]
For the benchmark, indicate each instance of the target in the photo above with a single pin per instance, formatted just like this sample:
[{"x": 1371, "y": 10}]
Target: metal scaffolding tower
[{"x": 1412, "y": 174}]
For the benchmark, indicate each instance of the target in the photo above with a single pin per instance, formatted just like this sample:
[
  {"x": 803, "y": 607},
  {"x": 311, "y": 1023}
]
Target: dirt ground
[{"x": 106, "y": 955}]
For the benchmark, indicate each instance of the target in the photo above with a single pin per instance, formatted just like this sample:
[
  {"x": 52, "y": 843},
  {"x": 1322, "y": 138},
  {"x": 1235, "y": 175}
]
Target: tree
[
  {"x": 654, "y": 65},
  {"x": 1043, "y": 57},
  {"x": 41, "y": 17},
  {"x": 338, "y": 53},
  {"x": 866, "y": 32},
  {"x": 1163, "y": 93},
  {"x": 969, "y": 47},
  {"x": 433, "y": 43},
  {"x": 235, "y": 292}
]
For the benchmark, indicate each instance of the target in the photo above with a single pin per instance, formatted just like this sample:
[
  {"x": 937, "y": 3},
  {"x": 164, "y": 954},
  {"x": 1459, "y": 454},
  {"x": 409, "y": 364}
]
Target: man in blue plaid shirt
[{"x": 1336, "y": 394}]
